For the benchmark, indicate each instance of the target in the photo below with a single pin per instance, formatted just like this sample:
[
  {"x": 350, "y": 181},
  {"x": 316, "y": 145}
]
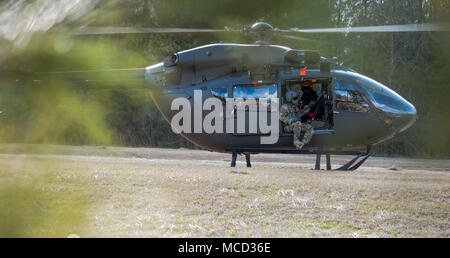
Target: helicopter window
[
  {"x": 385, "y": 98},
  {"x": 256, "y": 92},
  {"x": 341, "y": 96},
  {"x": 348, "y": 98},
  {"x": 344, "y": 85},
  {"x": 220, "y": 93}
]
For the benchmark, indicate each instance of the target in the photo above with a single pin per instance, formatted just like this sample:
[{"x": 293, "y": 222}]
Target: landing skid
[{"x": 349, "y": 166}]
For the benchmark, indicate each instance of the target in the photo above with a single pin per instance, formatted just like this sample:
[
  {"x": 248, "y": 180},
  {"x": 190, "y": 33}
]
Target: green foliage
[{"x": 33, "y": 203}]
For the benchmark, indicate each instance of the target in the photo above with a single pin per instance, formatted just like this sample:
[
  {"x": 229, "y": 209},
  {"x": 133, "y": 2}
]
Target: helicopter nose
[{"x": 403, "y": 121}]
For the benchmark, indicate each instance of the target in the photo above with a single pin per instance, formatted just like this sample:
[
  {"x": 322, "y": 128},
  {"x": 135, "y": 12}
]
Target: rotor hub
[
  {"x": 261, "y": 32},
  {"x": 261, "y": 27}
]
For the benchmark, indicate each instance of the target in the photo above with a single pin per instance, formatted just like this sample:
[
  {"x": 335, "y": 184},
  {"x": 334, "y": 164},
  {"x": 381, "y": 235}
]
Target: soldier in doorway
[{"x": 290, "y": 115}]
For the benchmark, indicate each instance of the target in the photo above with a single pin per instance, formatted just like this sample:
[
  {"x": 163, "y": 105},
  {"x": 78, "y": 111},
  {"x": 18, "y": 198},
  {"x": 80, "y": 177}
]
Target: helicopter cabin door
[{"x": 321, "y": 113}]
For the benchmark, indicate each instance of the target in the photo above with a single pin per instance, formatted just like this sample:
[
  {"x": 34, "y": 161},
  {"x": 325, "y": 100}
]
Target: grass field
[{"x": 138, "y": 192}]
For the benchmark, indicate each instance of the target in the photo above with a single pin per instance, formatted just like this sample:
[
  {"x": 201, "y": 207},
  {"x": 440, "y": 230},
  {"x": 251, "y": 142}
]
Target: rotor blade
[
  {"x": 300, "y": 38},
  {"x": 385, "y": 28},
  {"x": 109, "y": 74},
  {"x": 110, "y": 78},
  {"x": 130, "y": 30}
]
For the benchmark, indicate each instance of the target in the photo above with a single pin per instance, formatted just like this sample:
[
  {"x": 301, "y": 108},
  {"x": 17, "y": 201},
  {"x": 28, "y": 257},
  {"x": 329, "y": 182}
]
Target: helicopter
[{"x": 353, "y": 112}]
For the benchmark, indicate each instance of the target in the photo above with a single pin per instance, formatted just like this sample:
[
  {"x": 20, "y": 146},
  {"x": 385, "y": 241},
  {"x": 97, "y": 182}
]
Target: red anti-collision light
[{"x": 303, "y": 71}]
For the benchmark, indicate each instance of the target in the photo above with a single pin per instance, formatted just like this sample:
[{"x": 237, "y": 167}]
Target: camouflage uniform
[{"x": 290, "y": 116}]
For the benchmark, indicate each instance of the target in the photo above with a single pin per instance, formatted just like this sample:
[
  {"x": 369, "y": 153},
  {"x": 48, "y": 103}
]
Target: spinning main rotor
[{"x": 262, "y": 31}]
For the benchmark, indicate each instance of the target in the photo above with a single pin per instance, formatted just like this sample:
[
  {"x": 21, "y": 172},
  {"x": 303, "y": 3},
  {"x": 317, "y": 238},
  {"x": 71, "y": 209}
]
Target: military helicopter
[{"x": 353, "y": 111}]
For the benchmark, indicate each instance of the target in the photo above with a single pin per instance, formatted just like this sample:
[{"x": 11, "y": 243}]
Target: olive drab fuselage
[{"x": 226, "y": 70}]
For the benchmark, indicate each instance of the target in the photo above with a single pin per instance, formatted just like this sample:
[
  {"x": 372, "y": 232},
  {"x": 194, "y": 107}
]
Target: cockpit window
[
  {"x": 384, "y": 98},
  {"x": 344, "y": 85},
  {"x": 348, "y": 97}
]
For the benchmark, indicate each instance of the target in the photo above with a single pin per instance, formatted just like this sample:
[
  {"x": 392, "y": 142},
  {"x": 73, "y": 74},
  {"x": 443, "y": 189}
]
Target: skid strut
[
  {"x": 328, "y": 161},
  {"x": 247, "y": 159},
  {"x": 318, "y": 156},
  {"x": 234, "y": 157},
  {"x": 349, "y": 167},
  {"x": 349, "y": 164}
]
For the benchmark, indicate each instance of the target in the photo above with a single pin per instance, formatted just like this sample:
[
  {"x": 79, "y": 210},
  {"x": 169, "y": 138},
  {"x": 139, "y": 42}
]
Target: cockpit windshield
[{"x": 385, "y": 98}]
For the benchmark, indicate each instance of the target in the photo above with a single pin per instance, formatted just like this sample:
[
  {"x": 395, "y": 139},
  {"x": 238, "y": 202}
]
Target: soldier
[
  {"x": 309, "y": 98},
  {"x": 290, "y": 116},
  {"x": 309, "y": 95}
]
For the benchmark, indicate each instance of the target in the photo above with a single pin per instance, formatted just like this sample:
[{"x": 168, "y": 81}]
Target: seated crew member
[
  {"x": 309, "y": 94},
  {"x": 290, "y": 115},
  {"x": 309, "y": 99}
]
